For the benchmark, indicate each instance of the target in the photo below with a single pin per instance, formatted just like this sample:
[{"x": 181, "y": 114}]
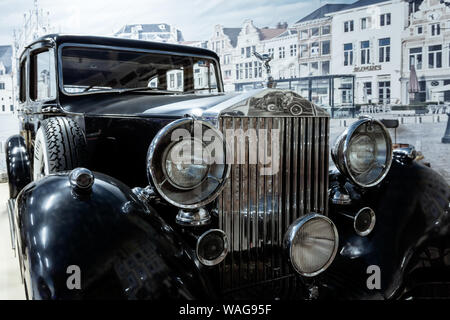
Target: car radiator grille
[{"x": 256, "y": 209}]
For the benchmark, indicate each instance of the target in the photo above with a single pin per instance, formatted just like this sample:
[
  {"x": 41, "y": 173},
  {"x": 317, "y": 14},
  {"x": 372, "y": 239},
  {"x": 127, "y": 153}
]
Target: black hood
[{"x": 138, "y": 103}]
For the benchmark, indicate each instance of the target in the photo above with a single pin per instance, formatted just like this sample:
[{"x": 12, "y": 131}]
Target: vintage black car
[{"x": 134, "y": 170}]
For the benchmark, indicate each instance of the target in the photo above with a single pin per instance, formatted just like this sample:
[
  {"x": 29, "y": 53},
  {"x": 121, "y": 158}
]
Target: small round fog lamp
[
  {"x": 364, "y": 221},
  {"x": 212, "y": 247},
  {"x": 311, "y": 242}
]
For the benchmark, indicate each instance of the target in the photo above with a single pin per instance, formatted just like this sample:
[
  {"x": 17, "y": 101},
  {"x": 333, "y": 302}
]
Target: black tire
[{"x": 60, "y": 145}]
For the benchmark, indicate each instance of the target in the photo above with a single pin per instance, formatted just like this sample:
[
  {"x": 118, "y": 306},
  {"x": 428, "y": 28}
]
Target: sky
[{"x": 195, "y": 18}]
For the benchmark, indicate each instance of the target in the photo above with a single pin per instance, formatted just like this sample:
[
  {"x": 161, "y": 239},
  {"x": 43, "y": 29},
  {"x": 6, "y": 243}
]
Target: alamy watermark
[{"x": 252, "y": 146}]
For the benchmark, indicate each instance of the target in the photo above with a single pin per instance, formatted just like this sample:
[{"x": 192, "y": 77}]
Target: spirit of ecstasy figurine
[{"x": 266, "y": 58}]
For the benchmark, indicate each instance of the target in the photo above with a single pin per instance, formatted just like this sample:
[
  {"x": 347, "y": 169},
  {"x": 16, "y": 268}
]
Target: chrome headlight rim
[
  {"x": 340, "y": 152},
  {"x": 373, "y": 219},
  {"x": 291, "y": 233},
  {"x": 153, "y": 166},
  {"x": 221, "y": 257}
]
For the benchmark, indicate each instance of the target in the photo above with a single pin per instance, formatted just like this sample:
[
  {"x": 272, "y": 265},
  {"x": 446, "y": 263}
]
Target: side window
[
  {"x": 22, "y": 81},
  {"x": 42, "y": 76}
]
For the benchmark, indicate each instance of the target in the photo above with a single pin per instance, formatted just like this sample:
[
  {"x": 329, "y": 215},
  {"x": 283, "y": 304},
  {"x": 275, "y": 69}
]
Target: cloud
[{"x": 195, "y": 18}]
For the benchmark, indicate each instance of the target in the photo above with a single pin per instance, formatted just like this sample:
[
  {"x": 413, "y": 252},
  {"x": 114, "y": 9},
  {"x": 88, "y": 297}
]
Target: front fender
[
  {"x": 411, "y": 207},
  {"x": 17, "y": 165},
  {"x": 122, "y": 248}
]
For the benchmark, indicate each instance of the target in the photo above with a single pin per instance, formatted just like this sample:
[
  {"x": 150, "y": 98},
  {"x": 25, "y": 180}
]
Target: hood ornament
[{"x": 266, "y": 58}]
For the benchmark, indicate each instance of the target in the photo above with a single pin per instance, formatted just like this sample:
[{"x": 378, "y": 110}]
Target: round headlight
[
  {"x": 187, "y": 163},
  {"x": 311, "y": 242},
  {"x": 363, "y": 152}
]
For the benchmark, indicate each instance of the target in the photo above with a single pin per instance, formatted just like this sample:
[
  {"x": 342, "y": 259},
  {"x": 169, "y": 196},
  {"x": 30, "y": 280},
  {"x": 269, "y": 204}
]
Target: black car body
[{"x": 139, "y": 226}]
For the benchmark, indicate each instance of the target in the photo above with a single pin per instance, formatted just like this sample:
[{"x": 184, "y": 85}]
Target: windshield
[{"x": 97, "y": 69}]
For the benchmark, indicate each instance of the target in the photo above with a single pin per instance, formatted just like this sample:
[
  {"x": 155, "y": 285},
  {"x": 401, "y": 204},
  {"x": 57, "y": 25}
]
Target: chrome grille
[{"x": 255, "y": 210}]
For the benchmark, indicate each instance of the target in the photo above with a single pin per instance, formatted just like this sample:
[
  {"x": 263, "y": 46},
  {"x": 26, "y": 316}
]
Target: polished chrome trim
[
  {"x": 76, "y": 173},
  {"x": 220, "y": 258},
  {"x": 372, "y": 222},
  {"x": 339, "y": 153},
  {"x": 256, "y": 210},
  {"x": 11, "y": 206},
  {"x": 292, "y": 231},
  {"x": 152, "y": 167},
  {"x": 193, "y": 218}
]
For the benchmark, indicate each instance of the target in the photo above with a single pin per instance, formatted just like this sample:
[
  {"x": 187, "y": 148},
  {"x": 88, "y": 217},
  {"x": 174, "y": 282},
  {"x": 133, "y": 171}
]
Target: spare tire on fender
[{"x": 60, "y": 145}]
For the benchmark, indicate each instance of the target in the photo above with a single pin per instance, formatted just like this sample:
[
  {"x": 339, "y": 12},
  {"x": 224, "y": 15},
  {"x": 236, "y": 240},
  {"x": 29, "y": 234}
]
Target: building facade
[
  {"x": 248, "y": 71},
  {"x": 426, "y": 47},
  {"x": 223, "y": 42},
  {"x": 366, "y": 42},
  {"x": 159, "y": 32},
  {"x": 315, "y": 53},
  {"x": 6, "y": 80},
  {"x": 35, "y": 24}
]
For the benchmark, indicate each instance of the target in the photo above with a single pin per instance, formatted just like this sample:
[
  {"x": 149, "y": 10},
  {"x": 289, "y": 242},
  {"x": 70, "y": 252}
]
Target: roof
[
  {"x": 362, "y": 3},
  {"x": 153, "y": 27},
  {"x": 232, "y": 34},
  {"x": 267, "y": 33},
  {"x": 323, "y": 10},
  {"x": 6, "y": 57},
  {"x": 60, "y": 39}
]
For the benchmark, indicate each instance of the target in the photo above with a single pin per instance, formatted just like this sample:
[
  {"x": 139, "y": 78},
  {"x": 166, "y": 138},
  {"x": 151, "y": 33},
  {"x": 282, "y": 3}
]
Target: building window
[
  {"x": 325, "y": 47},
  {"x": 304, "y": 34},
  {"x": 315, "y": 50},
  {"x": 348, "y": 26},
  {"x": 179, "y": 80},
  {"x": 365, "y": 52},
  {"x": 435, "y": 29},
  {"x": 11, "y": 108},
  {"x": 237, "y": 71},
  {"x": 281, "y": 54},
  {"x": 246, "y": 70},
  {"x": 248, "y": 52},
  {"x": 348, "y": 54},
  {"x": 303, "y": 50},
  {"x": 365, "y": 23},
  {"x": 3, "y": 108},
  {"x": 293, "y": 50},
  {"x": 271, "y": 52},
  {"x": 384, "y": 92},
  {"x": 172, "y": 81},
  {"x": 2, "y": 86},
  {"x": 314, "y": 67},
  {"x": 242, "y": 52},
  {"x": 384, "y": 49},
  {"x": 304, "y": 72},
  {"x": 325, "y": 68},
  {"x": 419, "y": 30},
  {"x": 326, "y": 30},
  {"x": 385, "y": 19},
  {"x": 435, "y": 56},
  {"x": 250, "y": 70},
  {"x": 227, "y": 59},
  {"x": 367, "y": 89},
  {"x": 415, "y": 58},
  {"x": 314, "y": 32}
]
